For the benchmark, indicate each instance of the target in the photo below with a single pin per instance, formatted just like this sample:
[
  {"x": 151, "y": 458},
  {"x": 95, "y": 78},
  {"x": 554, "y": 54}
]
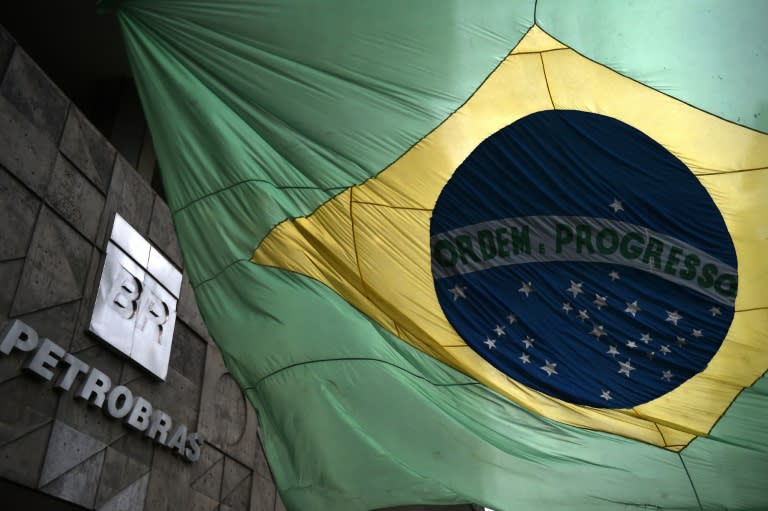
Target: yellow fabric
[{"x": 371, "y": 243}]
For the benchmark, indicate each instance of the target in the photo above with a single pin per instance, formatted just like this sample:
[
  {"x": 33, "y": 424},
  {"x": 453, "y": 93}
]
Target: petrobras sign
[
  {"x": 135, "y": 308},
  {"x": 47, "y": 360}
]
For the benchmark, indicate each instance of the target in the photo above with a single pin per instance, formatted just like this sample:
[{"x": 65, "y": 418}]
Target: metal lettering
[
  {"x": 76, "y": 368},
  {"x": 160, "y": 424},
  {"x": 155, "y": 311},
  {"x": 178, "y": 440},
  {"x": 126, "y": 297},
  {"x": 139, "y": 417},
  {"x": 95, "y": 387},
  {"x": 114, "y": 408},
  {"x": 195, "y": 443},
  {"x": 47, "y": 357},
  {"x": 19, "y": 335}
]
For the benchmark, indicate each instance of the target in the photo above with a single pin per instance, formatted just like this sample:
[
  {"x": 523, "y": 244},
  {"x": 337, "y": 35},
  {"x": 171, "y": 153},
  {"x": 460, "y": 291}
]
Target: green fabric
[{"x": 261, "y": 112}]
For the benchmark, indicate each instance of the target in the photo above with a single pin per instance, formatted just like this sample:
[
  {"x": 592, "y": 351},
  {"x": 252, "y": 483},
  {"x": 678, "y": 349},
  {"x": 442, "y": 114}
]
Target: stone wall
[{"x": 61, "y": 184}]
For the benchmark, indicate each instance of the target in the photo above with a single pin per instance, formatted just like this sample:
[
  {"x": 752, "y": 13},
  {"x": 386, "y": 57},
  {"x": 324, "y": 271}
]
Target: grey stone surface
[
  {"x": 25, "y": 150},
  {"x": 29, "y": 403},
  {"x": 128, "y": 195},
  {"x": 20, "y": 460},
  {"x": 87, "y": 149},
  {"x": 68, "y": 448},
  {"x": 130, "y": 499},
  {"x": 34, "y": 94},
  {"x": 86, "y": 418},
  {"x": 55, "y": 268},
  {"x": 262, "y": 493},
  {"x": 83, "y": 339},
  {"x": 188, "y": 353},
  {"x": 209, "y": 483},
  {"x": 18, "y": 211},
  {"x": 188, "y": 312},
  {"x": 57, "y": 323},
  {"x": 77, "y": 485},
  {"x": 75, "y": 198},
  {"x": 200, "y": 502},
  {"x": 163, "y": 234},
  {"x": 119, "y": 472},
  {"x": 175, "y": 396},
  {"x": 7, "y": 45},
  {"x": 135, "y": 447},
  {"x": 239, "y": 497},
  {"x": 279, "y": 505},
  {"x": 234, "y": 474},
  {"x": 10, "y": 272},
  {"x": 169, "y": 484}
]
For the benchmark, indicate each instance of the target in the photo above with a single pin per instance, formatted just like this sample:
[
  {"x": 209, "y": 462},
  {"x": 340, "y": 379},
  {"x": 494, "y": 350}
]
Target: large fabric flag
[{"x": 510, "y": 253}]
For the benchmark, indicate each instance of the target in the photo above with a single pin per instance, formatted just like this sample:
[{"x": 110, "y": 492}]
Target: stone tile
[
  {"x": 75, "y": 198},
  {"x": 209, "y": 483},
  {"x": 28, "y": 403},
  {"x": 57, "y": 323},
  {"x": 168, "y": 484},
  {"x": 130, "y": 499},
  {"x": 188, "y": 312},
  {"x": 77, "y": 485},
  {"x": 260, "y": 463},
  {"x": 7, "y": 45},
  {"x": 25, "y": 150},
  {"x": 136, "y": 447},
  {"x": 87, "y": 149},
  {"x": 67, "y": 448},
  {"x": 234, "y": 474},
  {"x": 188, "y": 353},
  {"x": 20, "y": 461},
  {"x": 82, "y": 338},
  {"x": 33, "y": 94},
  {"x": 55, "y": 268},
  {"x": 200, "y": 502},
  {"x": 10, "y": 273},
  {"x": 238, "y": 497},
  {"x": 128, "y": 195},
  {"x": 262, "y": 494},
  {"x": 119, "y": 472},
  {"x": 163, "y": 234},
  {"x": 81, "y": 415},
  {"x": 176, "y": 396},
  {"x": 18, "y": 210}
]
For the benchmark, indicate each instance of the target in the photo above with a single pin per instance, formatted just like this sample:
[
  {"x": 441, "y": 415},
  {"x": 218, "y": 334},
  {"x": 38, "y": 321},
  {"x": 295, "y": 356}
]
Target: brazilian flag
[{"x": 510, "y": 253}]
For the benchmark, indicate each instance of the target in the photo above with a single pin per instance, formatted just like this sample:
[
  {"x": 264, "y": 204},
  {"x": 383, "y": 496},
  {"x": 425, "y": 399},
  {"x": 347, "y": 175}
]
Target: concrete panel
[
  {"x": 119, "y": 472},
  {"x": 188, "y": 312},
  {"x": 75, "y": 198},
  {"x": 10, "y": 273},
  {"x": 135, "y": 447},
  {"x": 67, "y": 448},
  {"x": 240, "y": 496},
  {"x": 28, "y": 403},
  {"x": 234, "y": 474},
  {"x": 128, "y": 195},
  {"x": 88, "y": 149},
  {"x": 20, "y": 461},
  {"x": 7, "y": 45},
  {"x": 200, "y": 502},
  {"x": 57, "y": 323},
  {"x": 188, "y": 354},
  {"x": 209, "y": 483},
  {"x": 25, "y": 150},
  {"x": 55, "y": 268},
  {"x": 18, "y": 210},
  {"x": 82, "y": 338},
  {"x": 177, "y": 396},
  {"x": 77, "y": 485},
  {"x": 262, "y": 494},
  {"x": 162, "y": 232},
  {"x": 130, "y": 499},
  {"x": 168, "y": 484},
  {"x": 34, "y": 94}
]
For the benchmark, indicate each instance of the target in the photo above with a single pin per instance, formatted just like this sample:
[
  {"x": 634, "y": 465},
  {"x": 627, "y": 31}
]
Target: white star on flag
[
  {"x": 631, "y": 344},
  {"x": 583, "y": 314},
  {"x": 680, "y": 341},
  {"x": 598, "y": 331},
  {"x": 614, "y": 275},
  {"x": 696, "y": 333},
  {"x": 715, "y": 311},
  {"x": 458, "y": 292},
  {"x": 665, "y": 349},
  {"x": 616, "y": 205},
  {"x": 499, "y": 330},
  {"x": 645, "y": 338},
  {"x": 567, "y": 307},
  {"x": 632, "y": 308},
  {"x": 626, "y": 367},
  {"x": 575, "y": 288},
  {"x": 528, "y": 341},
  {"x": 666, "y": 375},
  {"x": 673, "y": 317},
  {"x": 526, "y": 358},
  {"x": 606, "y": 394},
  {"x": 490, "y": 342},
  {"x": 512, "y": 318},
  {"x": 526, "y": 288},
  {"x": 600, "y": 301},
  {"x": 549, "y": 368},
  {"x": 612, "y": 351}
]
